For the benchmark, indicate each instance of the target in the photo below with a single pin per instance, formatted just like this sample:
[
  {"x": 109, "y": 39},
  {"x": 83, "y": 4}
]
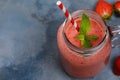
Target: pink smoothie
[{"x": 74, "y": 63}]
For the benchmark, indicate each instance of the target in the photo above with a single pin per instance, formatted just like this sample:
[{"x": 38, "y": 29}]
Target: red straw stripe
[
  {"x": 77, "y": 28},
  {"x": 72, "y": 21},
  {"x": 67, "y": 14},
  {"x": 60, "y": 6}
]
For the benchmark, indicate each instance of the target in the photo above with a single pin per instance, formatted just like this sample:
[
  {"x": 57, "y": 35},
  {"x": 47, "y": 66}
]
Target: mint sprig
[{"x": 84, "y": 29}]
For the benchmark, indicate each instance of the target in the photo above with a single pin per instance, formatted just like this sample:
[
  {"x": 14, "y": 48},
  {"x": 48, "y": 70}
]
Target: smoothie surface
[{"x": 95, "y": 29}]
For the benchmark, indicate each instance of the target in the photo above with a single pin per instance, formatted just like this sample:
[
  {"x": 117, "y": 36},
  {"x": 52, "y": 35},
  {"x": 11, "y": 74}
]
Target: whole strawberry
[
  {"x": 104, "y": 9},
  {"x": 116, "y": 67},
  {"x": 117, "y": 8}
]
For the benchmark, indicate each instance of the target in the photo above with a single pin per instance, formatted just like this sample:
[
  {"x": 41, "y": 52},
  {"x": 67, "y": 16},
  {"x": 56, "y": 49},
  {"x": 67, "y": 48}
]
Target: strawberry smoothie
[{"x": 73, "y": 56}]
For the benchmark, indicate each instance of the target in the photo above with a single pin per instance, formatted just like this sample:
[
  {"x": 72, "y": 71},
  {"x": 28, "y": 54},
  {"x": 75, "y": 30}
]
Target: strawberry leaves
[{"x": 84, "y": 29}]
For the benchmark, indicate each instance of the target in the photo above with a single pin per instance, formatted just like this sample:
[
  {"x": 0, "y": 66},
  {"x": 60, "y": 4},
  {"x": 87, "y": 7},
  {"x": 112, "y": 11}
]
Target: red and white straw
[{"x": 67, "y": 14}]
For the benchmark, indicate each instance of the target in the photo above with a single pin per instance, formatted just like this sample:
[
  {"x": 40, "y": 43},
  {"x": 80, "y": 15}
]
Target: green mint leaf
[
  {"x": 80, "y": 37},
  {"x": 85, "y": 24},
  {"x": 86, "y": 44},
  {"x": 91, "y": 37},
  {"x": 84, "y": 29}
]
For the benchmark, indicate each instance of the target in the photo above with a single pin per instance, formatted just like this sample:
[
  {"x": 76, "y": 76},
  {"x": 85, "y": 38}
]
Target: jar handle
[{"x": 115, "y": 33}]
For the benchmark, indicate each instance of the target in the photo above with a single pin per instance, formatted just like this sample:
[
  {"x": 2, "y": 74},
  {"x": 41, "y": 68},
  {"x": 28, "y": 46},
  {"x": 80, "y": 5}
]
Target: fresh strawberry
[
  {"x": 104, "y": 9},
  {"x": 116, "y": 71},
  {"x": 116, "y": 67},
  {"x": 117, "y": 8}
]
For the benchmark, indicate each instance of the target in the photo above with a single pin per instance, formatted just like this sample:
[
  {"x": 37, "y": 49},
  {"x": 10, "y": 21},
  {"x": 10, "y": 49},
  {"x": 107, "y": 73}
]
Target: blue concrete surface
[{"x": 28, "y": 31}]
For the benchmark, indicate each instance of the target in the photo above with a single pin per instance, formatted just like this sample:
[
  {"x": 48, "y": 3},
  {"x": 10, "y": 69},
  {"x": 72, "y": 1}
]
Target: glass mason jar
[{"x": 79, "y": 62}]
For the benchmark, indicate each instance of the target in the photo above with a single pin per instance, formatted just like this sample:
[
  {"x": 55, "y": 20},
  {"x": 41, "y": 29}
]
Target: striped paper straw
[{"x": 67, "y": 14}]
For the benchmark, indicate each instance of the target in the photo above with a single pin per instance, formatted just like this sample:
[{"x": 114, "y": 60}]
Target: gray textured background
[{"x": 28, "y": 31}]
